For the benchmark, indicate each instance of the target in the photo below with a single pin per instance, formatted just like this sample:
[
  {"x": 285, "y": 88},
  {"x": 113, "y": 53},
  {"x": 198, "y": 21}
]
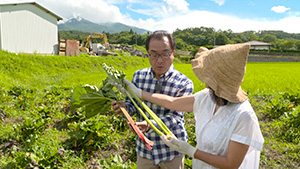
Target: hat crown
[{"x": 223, "y": 69}]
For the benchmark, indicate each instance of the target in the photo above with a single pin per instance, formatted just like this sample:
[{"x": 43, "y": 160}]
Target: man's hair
[{"x": 159, "y": 34}]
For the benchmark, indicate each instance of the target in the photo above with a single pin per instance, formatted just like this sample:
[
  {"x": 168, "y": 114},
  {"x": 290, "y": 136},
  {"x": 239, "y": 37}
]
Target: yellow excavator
[{"x": 86, "y": 47}]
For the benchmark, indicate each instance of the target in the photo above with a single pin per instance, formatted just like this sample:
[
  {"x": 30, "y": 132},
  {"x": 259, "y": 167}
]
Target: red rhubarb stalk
[{"x": 148, "y": 143}]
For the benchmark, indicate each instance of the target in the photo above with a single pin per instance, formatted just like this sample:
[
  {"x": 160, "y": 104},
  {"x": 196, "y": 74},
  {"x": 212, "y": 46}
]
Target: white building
[
  {"x": 257, "y": 45},
  {"x": 28, "y": 28}
]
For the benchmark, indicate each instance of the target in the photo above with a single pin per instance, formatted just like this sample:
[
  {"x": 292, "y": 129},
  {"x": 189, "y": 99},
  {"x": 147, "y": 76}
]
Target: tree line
[{"x": 190, "y": 39}]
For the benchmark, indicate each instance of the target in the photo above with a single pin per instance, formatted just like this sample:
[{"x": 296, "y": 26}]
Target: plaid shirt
[{"x": 172, "y": 83}]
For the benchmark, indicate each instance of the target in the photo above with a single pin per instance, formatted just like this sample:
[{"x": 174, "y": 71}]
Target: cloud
[
  {"x": 170, "y": 16},
  {"x": 221, "y": 22},
  {"x": 177, "y": 5},
  {"x": 219, "y": 2},
  {"x": 158, "y": 9},
  {"x": 279, "y": 9},
  {"x": 98, "y": 11},
  {"x": 251, "y": 3},
  {"x": 175, "y": 15},
  {"x": 151, "y": 9}
]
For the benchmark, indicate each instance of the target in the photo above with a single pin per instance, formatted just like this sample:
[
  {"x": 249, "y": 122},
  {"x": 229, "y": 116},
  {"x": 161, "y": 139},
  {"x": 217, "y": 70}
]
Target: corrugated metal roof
[
  {"x": 258, "y": 43},
  {"x": 36, "y": 4}
]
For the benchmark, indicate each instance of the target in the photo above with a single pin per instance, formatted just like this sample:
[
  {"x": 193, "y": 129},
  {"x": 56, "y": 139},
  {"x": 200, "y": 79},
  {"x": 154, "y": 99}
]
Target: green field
[
  {"x": 39, "y": 129},
  {"x": 260, "y": 78}
]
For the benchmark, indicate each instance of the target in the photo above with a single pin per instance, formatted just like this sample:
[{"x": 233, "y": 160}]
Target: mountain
[{"x": 81, "y": 24}]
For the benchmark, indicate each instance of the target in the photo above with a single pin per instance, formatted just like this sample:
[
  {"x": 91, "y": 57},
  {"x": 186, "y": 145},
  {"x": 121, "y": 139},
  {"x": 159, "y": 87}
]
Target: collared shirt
[
  {"x": 235, "y": 121},
  {"x": 172, "y": 83}
]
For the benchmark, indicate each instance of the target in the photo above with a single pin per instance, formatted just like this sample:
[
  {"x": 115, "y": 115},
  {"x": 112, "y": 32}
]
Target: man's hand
[
  {"x": 179, "y": 145},
  {"x": 115, "y": 106},
  {"x": 143, "y": 126}
]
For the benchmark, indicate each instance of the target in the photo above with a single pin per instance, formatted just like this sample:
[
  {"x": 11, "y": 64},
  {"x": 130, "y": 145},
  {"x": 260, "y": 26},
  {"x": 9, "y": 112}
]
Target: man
[{"x": 162, "y": 78}]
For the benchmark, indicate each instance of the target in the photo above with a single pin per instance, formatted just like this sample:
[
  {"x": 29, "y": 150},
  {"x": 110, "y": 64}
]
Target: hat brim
[{"x": 223, "y": 69}]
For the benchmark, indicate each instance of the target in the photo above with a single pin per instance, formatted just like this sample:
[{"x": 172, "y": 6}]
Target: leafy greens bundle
[{"x": 117, "y": 77}]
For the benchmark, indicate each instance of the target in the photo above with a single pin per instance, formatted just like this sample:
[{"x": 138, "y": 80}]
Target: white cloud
[
  {"x": 225, "y": 22},
  {"x": 219, "y": 2},
  {"x": 280, "y": 9},
  {"x": 100, "y": 11},
  {"x": 159, "y": 9},
  {"x": 177, "y": 5},
  {"x": 251, "y": 3},
  {"x": 155, "y": 10}
]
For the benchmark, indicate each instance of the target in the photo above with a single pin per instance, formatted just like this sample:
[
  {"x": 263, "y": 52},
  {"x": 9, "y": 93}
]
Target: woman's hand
[
  {"x": 135, "y": 90},
  {"x": 179, "y": 145}
]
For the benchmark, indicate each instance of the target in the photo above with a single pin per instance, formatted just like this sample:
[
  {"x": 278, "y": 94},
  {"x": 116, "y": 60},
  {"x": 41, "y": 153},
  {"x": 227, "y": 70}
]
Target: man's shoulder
[
  {"x": 142, "y": 71},
  {"x": 180, "y": 76}
]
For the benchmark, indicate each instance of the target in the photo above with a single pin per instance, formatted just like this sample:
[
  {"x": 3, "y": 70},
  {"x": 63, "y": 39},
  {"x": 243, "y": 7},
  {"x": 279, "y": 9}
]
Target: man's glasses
[{"x": 155, "y": 56}]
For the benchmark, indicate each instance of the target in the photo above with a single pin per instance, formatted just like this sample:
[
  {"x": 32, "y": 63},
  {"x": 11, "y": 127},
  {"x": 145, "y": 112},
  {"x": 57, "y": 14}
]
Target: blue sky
[
  {"x": 237, "y": 15},
  {"x": 243, "y": 8}
]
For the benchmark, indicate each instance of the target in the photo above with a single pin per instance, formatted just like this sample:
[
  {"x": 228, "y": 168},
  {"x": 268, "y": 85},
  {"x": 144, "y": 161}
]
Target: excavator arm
[{"x": 90, "y": 37}]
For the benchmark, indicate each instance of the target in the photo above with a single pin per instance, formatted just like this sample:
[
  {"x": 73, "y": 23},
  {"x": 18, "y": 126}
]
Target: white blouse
[{"x": 235, "y": 121}]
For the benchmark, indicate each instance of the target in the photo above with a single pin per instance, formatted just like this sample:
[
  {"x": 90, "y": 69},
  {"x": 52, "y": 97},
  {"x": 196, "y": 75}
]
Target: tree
[
  {"x": 279, "y": 44},
  {"x": 288, "y": 44},
  {"x": 131, "y": 32},
  {"x": 221, "y": 39},
  {"x": 180, "y": 44},
  {"x": 297, "y": 45},
  {"x": 269, "y": 38},
  {"x": 236, "y": 40},
  {"x": 253, "y": 37}
]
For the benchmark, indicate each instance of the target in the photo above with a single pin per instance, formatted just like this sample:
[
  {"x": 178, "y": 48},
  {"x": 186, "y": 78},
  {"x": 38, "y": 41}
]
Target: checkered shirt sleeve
[{"x": 174, "y": 84}]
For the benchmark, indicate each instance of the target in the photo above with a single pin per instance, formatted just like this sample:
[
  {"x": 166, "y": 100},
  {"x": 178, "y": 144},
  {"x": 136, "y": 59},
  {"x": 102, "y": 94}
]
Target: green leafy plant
[
  {"x": 285, "y": 112},
  {"x": 116, "y": 162},
  {"x": 90, "y": 134},
  {"x": 117, "y": 77},
  {"x": 93, "y": 99},
  {"x": 31, "y": 128},
  {"x": 97, "y": 101}
]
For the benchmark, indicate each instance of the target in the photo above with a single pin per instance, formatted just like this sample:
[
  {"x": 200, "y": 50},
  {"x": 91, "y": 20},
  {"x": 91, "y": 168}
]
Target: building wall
[
  {"x": 28, "y": 29},
  {"x": 260, "y": 47}
]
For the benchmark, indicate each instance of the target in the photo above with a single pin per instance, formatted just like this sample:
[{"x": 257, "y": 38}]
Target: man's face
[{"x": 161, "y": 64}]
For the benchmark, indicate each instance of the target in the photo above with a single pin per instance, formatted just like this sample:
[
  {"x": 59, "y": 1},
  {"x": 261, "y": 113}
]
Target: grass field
[
  {"x": 38, "y": 129},
  {"x": 261, "y": 78}
]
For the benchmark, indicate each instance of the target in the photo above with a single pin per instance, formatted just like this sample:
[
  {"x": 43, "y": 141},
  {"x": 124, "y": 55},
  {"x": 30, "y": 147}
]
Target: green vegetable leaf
[
  {"x": 114, "y": 75},
  {"x": 117, "y": 77},
  {"x": 93, "y": 99}
]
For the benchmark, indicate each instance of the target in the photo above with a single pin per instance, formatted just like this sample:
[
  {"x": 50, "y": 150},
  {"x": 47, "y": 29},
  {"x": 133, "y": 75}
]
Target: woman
[{"x": 227, "y": 130}]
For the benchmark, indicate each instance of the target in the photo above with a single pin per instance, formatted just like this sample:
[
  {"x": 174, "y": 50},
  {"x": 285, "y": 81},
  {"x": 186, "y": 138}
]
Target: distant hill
[{"x": 81, "y": 24}]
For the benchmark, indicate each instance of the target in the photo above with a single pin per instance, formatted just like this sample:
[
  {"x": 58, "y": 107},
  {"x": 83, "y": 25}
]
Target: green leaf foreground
[
  {"x": 93, "y": 99},
  {"x": 117, "y": 77}
]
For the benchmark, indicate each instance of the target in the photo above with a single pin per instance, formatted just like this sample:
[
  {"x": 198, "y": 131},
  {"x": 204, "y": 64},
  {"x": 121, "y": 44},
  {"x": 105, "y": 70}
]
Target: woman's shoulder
[
  {"x": 245, "y": 107},
  {"x": 201, "y": 93},
  {"x": 200, "y": 99},
  {"x": 245, "y": 111}
]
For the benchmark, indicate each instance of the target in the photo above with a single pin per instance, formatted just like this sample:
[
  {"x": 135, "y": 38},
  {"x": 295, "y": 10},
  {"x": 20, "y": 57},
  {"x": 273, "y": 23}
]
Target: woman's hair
[
  {"x": 159, "y": 35},
  {"x": 218, "y": 100}
]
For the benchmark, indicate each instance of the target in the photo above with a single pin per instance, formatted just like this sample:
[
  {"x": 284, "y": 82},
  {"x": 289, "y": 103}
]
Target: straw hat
[{"x": 223, "y": 69}]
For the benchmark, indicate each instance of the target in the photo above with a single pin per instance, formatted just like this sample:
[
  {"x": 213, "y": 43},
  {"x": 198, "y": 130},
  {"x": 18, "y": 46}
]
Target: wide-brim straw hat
[{"x": 223, "y": 69}]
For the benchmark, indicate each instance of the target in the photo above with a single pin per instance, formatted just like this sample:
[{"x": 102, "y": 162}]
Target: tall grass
[
  {"x": 35, "y": 71},
  {"x": 30, "y": 72},
  {"x": 268, "y": 78},
  {"x": 265, "y": 78}
]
